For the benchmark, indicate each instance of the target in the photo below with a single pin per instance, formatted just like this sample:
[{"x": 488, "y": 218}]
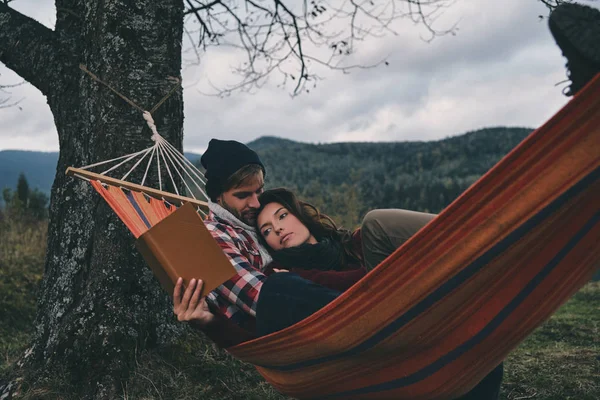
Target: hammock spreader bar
[{"x": 139, "y": 207}]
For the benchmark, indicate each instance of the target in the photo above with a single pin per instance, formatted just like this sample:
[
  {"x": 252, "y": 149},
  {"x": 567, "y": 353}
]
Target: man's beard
[{"x": 248, "y": 216}]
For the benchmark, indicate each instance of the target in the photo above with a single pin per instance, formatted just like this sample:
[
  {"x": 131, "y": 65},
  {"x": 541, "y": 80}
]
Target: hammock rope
[
  {"x": 167, "y": 157},
  {"x": 148, "y": 151},
  {"x": 148, "y": 167},
  {"x": 172, "y": 159}
]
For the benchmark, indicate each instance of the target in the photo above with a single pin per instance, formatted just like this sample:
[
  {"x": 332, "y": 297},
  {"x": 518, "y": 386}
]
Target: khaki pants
[{"x": 383, "y": 231}]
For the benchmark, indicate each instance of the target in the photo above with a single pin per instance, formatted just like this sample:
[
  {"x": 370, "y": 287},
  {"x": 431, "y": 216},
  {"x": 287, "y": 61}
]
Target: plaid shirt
[{"x": 237, "y": 298}]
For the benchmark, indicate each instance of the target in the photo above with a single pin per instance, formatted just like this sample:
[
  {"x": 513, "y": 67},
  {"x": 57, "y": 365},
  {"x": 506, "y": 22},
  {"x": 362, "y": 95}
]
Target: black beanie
[{"x": 222, "y": 159}]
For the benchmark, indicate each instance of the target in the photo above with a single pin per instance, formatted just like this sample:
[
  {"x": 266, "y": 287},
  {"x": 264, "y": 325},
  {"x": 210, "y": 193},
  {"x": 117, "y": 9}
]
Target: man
[{"x": 235, "y": 179}]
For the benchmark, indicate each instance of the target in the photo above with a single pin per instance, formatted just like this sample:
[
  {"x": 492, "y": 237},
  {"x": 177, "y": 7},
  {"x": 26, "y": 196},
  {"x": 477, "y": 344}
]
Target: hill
[
  {"x": 344, "y": 179},
  {"x": 351, "y": 178},
  {"x": 38, "y": 167}
]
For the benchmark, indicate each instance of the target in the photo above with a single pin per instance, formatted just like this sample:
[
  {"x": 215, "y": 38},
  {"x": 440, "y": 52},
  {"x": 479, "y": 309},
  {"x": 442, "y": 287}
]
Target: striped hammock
[{"x": 448, "y": 306}]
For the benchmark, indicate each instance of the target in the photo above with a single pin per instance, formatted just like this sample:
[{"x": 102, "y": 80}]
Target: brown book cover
[{"x": 181, "y": 246}]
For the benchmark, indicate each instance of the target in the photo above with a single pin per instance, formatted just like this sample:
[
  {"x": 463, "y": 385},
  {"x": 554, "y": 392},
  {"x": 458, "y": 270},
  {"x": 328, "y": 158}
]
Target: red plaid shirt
[{"x": 237, "y": 298}]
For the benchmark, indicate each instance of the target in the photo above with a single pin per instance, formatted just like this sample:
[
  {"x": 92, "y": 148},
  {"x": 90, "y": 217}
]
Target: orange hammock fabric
[
  {"x": 448, "y": 306},
  {"x": 137, "y": 211}
]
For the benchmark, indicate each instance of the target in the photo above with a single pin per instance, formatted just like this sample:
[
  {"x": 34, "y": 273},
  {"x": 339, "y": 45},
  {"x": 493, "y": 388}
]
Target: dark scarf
[{"x": 324, "y": 255}]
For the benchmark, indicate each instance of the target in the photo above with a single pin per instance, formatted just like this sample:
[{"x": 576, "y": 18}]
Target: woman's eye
[
  {"x": 283, "y": 215},
  {"x": 266, "y": 232}
]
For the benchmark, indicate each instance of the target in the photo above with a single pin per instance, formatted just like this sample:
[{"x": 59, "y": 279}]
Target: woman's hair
[{"x": 319, "y": 225}]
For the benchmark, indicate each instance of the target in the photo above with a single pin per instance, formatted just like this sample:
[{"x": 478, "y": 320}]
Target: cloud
[
  {"x": 29, "y": 125},
  {"x": 499, "y": 69}
]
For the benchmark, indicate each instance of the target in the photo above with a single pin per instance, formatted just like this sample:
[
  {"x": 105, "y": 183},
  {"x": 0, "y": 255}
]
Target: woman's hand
[
  {"x": 191, "y": 307},
  {"x": 280, "y": 270}
]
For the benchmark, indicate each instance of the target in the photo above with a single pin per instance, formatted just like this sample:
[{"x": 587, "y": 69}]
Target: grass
[
  {"x": 194, "y": 369},
  {"x": 560, "y": 360},
  {"x": 22, "y": 253}
]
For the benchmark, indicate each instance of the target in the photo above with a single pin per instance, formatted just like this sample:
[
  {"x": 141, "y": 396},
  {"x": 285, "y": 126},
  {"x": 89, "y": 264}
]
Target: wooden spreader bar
[{"x": 158, "y": 194}]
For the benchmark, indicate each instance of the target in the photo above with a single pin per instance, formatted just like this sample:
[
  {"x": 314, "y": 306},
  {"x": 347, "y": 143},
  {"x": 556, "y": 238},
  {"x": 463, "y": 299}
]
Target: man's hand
[{"x": 191, "y": 307}]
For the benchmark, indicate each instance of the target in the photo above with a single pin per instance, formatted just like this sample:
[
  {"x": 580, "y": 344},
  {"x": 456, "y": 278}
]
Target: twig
[{"x": 276, "y": 38}]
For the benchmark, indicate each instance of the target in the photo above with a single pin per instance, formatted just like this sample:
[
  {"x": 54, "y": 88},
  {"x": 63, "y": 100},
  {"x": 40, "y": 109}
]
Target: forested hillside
[
  {"x": 39, "y": 168},
  {"x": 348, "y": 179},
  {"x": 345, "y": 179}
]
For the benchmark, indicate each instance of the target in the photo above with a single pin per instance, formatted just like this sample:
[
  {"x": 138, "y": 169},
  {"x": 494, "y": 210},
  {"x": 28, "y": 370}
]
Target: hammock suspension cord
[{"x": 172, "y": 159}]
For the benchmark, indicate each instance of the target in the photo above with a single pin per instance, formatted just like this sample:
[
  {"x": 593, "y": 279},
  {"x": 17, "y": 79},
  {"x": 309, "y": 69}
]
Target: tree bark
[{"x": 98, "y": 302}]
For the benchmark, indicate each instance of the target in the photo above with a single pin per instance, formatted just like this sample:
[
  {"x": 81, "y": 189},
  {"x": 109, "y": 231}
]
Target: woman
[
  {"x": 322, "y": 260},
  {"x": 303, "y": 240}
]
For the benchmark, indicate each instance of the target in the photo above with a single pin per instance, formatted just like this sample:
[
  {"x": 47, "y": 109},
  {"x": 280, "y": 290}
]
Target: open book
[{"x": 181, "y": 246}]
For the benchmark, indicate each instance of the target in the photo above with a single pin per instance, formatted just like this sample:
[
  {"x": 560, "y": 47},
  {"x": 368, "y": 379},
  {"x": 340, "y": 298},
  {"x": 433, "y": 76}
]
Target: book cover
[{"x": 181, "y": 246}]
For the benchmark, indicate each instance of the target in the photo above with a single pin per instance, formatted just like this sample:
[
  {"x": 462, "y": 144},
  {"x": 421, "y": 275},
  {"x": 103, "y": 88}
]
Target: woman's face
[{"x": 281, "y": 229}]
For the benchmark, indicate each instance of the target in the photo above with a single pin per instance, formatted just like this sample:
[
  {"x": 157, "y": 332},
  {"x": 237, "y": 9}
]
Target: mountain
[
  {"x": 348, "y": 179},
  {"x": 345, "y": 179},
  {"x": 39, "y": 168},
  {"x": 193, "y": 157},
  {"x": 265, "y": 143}
]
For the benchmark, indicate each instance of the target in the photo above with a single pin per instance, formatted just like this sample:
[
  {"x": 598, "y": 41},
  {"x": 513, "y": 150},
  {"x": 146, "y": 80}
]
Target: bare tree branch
[
  {"x": 5, "y": 102},
  {"x": 552, "y": 4},
  {"x": 292, "y": 37},
  {"x": 27, "y": 47},
  {"x": 200, "y": 7}
]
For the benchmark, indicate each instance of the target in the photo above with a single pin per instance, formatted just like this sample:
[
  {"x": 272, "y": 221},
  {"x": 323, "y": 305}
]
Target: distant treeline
[
  {"x": 23, "y": 203},
  {"x": 347, "y": 179}
]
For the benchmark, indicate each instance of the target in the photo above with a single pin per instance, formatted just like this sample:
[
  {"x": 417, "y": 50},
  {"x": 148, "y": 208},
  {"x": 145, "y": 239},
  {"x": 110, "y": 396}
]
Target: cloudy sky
[{"x": 501, "y": 68}]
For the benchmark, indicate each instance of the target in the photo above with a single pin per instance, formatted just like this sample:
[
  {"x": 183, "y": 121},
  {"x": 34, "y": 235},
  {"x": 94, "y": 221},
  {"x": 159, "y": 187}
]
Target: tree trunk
[{"x": 98, "y": 302}]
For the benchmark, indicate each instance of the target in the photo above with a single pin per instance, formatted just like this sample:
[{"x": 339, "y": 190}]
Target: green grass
[
  {"x": 194, "y": 369},
  {"x": 560, "y": 360},
  {"x": 22, "y": 253}
]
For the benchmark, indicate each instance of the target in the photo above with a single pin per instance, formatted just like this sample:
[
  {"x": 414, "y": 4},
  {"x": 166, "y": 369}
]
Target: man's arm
[
  {"x": 243, "y": 288},
  {"x": 232, "y": 302},
  {"x": 193, "y": 309}
]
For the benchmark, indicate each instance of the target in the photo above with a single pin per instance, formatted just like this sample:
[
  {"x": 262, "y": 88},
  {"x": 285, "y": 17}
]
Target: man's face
[{"x": 243, "y": 201}]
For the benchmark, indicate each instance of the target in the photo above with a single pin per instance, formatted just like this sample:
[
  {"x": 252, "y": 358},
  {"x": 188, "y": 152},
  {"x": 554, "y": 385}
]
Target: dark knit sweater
[{"x": 226, "y": 333}]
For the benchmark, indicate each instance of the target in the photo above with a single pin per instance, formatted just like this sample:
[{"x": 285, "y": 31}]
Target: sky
[{"x": 500, "y": 68}]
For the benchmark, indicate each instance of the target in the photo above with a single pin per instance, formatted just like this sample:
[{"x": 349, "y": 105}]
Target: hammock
[{"x": 448, "y": 306}]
